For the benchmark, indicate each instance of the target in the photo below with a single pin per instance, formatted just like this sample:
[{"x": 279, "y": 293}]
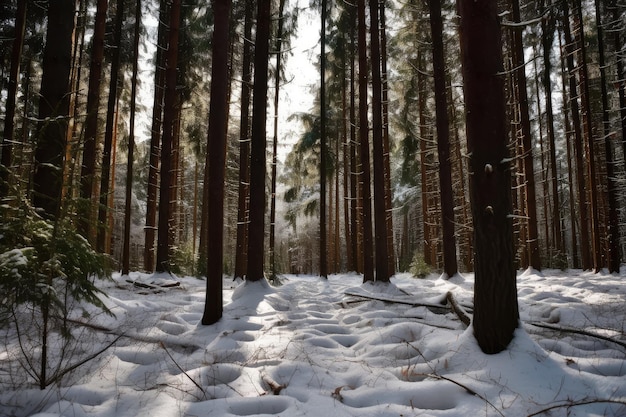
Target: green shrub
[{"x": 419, "y": 267}]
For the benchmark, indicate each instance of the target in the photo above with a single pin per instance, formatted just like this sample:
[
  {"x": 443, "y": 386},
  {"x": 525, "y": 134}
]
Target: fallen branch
[
  {"x": 274, "y": 386},
  {"x": 181, "y": 369},
  {"x": 578, "y": 331},
  {"x": 467, "y": 389},
  {"x": 458, "y": 309},
  {"x": 576, "y": 404},
  {"x": 396, "y": 301}
]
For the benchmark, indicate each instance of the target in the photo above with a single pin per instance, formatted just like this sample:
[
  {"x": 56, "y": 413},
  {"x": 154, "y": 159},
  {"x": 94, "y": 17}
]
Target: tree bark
[
  {"x": 443, "y": 141},
  {"x": 88, "y": 168},
  {"x": 495, "y": 295},
  {"x": 368, "y": 248},
  {"x": 169, "y": 114},
  {"x": 216, "y": 161},
  {"x": 256, "y": 232},
  {"x": 54, "y": 108},
  {"x": 323, "y": 151},
  {"x": 131, "y": 144}
]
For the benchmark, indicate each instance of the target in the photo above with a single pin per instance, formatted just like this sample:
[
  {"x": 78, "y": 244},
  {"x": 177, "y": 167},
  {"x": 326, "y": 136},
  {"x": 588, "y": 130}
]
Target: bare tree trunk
[
  {"x": 532, "y": 241},
  {"x": 216, "y": 161},
  {"x": 443, "y": 141},
  {"x": 368, "y": 245},
  {"x": 495, "y": 296},
  {"x": 169, "y": 114},
  {"x": 54, "y": 108},
  {"x": 244, "y": 148},
  {"x": 258, "y": 158},
  {"x": 323, "y": 151},
  {"x": 614, "y": 258},
  {"x": 88, "y": 169},
  {"x": 380, "y": 215},
  {"x": 131, "y": 144},
  {"x": 9, "y": 115}
]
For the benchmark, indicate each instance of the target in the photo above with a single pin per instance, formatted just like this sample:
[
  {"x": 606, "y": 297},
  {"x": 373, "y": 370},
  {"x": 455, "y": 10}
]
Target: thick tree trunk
[
  {"x": 323, "y": 151},
  {"x": 54, "y": 108},
  {"x": 241, "y": 253},
  {"x": 256, "y": 232},
  {"x": 495, "y": 295},
  {"x": 443, "y": 141},
  {"x": 578, "y": 143},
  {"x": 380, "y": 215},
  {"x": 614, "y": 258},
  {"x": 169, "y": 114},
  {"x": 155, "y": 140},
  {"x": 109, "y": 132},
  {"x": 216, "y": 161},
  {"x": 131, "y": 144},
  {"x": 368, "y": 245},
  {"x": 88, "y": 168}
]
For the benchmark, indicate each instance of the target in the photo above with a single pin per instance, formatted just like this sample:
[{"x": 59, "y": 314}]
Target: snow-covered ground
[{"x": 306, "y": 348}]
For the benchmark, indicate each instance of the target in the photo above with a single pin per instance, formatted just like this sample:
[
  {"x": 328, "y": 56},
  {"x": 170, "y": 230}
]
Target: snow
[{"x": 332, "y": 354}]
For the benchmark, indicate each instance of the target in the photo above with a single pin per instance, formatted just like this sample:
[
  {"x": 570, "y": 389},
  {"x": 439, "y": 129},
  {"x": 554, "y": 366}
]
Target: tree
[
  {"x": 244, "y": 147},
  {"x": 380, "y": 212},
  {"x": 496, "y": 312},
  {"x": 9, "y": 116},
  {"x": 88, "y": 168},
  {"x": 169, "y": 114},
  {"x": 368, "y": 245},
  {"x": 443, "y": 140},
  {"x": 256, "y": 230},
  {"x": 323, "y": 150},
  {"x": 131, "y": 144},
  {"x": 54, "y": 108},
  {"x": 216, "y": 160}
]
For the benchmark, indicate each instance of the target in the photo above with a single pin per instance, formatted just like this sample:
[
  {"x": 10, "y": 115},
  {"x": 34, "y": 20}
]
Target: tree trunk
[
  {"x": 244, "y": 148},
  {"x": 596, "y": 247},
  {"x": 578, "y": 142},
  {"x": 495, "y": 295},
  {"x": 169, "y": 113},
  {"x": 614, "y": 258},
  {"x": 443, "y": 141},
  {"x": 256, "y": 232},
  {"x": 368, "y": 248},
  {"x": 88, "y": 169},
  {"x": 131, "y": 144},
  {"x": 54, "y": 108},
  {"x": 216, "y": 161},
  {"x": 155, "y": 139},
  {"x": 532, "y": 240},
  {"x": 9, "y": 115},
  {"x": 354, "y": 173},
  {"x": 109, "y": 132},
  {"x": 323, "y": 163},
  {"x": 380, "y": 215}
]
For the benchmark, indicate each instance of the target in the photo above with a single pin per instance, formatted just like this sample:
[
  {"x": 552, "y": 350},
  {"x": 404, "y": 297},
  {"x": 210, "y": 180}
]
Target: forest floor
[{"x": 315, "y": 347}]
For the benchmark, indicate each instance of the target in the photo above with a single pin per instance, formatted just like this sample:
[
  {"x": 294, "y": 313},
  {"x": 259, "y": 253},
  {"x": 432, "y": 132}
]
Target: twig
[
  {"x": 274, "y": 386},
  {"x": 578, "y": 331},
  {"x": 575, "y": 404},
  {"x": 458, "y": 309},
  {"x": 468, "y": 389},
  {"x": 181, "y": 369},
  {"x": 59, "y": 375}
]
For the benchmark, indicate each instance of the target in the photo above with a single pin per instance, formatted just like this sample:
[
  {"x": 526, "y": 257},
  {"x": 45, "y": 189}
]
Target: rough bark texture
[
  {"x": 256, "y": 232},
  {"x": 443, "y": 141},
  {"x": 495, "y": 295},
  {"x": 368, "y": 246},
  {"x": 218, "y": 128},
  {"x": 169, "y": 113},
  {"x": 54, "y": 107},
  {"x": 88, "y": 168},
  {"x": 323, "y": 152},
  {"x": 241, "y": 253}
]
